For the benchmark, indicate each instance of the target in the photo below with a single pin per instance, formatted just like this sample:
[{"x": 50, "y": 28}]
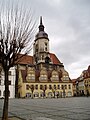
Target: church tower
[{"x": 41, "y": 45}]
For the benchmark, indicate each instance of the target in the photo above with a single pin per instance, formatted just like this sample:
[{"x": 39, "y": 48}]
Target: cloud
[
  {"x": 54, "y": 3},
  {"x": 68, "y": 26},
  {"x": 67, "y": 23}
]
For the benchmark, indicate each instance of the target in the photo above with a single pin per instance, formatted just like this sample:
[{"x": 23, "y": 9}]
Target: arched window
[{"x": 36, "y": 94}]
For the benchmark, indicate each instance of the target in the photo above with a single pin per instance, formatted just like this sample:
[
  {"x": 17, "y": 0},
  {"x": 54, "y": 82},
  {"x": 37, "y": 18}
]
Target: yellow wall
[
  {"x": 87, "y": 85},
  {"x": 23, "y": 89}
]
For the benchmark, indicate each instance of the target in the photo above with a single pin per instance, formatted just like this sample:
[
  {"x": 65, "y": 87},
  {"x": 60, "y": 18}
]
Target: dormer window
[
  {"x": 43, "y": 77},
  {"x": 31, "y": 76},
  {"x": 54, "y": 76},
  {"x": 65, "y": 77}
]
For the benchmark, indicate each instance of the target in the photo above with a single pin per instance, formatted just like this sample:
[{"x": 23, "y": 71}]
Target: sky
[{"x": 67, "y": 23}]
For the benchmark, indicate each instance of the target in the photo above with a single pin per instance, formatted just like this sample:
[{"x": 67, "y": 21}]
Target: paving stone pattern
[{"x": 75, "y": 108}]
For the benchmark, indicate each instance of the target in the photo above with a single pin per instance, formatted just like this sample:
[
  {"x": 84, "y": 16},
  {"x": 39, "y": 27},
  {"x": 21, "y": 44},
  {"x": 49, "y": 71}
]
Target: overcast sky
[{"x": 67, "y": 23}]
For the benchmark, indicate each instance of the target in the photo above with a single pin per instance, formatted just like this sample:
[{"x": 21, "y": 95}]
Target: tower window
[
  {"x": 36, "y": 48},
  {"x": 42, "y": 57},
  {"x": 0, "y": 92},
  {"x": 45, "y": 44},
  {"x": 0, "y": 82},
  {"x": 45, "y": 48}
]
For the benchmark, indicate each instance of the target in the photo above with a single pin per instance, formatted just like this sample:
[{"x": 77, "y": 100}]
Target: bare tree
[{"x": 16, "y": 31}]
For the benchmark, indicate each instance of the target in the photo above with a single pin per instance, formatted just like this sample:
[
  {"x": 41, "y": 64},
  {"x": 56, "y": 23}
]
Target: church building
[{"x": 42, "y": 75}]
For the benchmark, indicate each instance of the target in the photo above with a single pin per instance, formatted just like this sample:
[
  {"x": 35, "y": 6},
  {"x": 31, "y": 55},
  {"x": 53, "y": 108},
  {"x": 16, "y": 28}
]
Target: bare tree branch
[{"x": 16, "y": 32}]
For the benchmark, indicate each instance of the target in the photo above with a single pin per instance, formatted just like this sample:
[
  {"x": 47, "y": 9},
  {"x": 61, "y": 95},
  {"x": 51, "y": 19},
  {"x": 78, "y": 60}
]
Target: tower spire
[
  {"x": 40, "y": 20},
  {"x": 41, "y": 26}
]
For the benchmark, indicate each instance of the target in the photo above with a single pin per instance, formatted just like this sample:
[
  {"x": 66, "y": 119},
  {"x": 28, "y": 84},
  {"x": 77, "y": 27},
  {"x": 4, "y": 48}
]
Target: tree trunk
[{"x": 6, "y": 99}]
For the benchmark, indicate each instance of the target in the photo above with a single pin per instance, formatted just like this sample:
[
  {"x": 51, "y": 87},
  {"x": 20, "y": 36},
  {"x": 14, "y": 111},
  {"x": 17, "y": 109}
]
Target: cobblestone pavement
[{"x": 75, "y": 108}]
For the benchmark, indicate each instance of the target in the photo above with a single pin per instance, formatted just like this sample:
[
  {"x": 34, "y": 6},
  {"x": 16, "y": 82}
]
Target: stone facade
[
  {"x": 83, "y": 83},
  {"x": 43, "y": 74}
]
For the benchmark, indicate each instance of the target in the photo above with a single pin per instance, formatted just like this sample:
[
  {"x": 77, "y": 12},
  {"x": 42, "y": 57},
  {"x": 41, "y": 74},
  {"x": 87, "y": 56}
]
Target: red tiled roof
[
  {"x": 86, "y": 73},
  {"x": 37, "y": 75},
  {"x": 26, "y": 59},
  {"x": 54, "y": 59},
  {"x": 74, "y": 81},
  {"x": 24, "y": 74}
]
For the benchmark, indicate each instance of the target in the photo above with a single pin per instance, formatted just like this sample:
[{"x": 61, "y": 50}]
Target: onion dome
[{"x": 41, "y": 33}]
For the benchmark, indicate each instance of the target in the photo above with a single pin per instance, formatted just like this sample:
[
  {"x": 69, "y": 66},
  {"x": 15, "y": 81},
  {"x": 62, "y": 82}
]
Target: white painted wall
[{"x": 12, "y": 86}]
